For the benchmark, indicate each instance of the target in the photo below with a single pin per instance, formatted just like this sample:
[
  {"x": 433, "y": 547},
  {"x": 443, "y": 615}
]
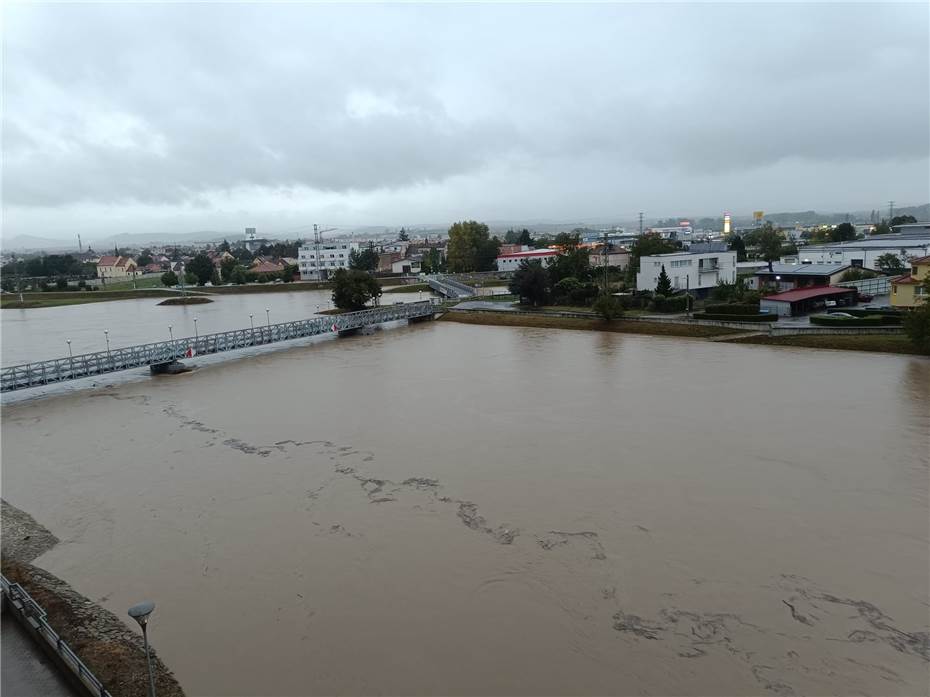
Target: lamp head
[{"x": 140, "y": 613}]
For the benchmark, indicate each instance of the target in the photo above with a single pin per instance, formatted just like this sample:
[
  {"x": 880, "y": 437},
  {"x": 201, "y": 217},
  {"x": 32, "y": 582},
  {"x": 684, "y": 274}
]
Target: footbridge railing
[
  {"x": 450, "y": 288},
  {"x": 27, "y": 375}
]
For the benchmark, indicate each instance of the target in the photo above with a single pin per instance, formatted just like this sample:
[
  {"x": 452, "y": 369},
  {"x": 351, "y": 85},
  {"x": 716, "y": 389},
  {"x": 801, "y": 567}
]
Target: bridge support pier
[
  {"x": 348, "y": 332},
  {"x": 171, "y": 368},
  {"x": 424, "y": 318}
]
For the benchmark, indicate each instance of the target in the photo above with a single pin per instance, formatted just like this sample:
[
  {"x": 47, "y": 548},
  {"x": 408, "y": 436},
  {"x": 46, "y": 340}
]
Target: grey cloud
[{"x": 167, "y": 104}]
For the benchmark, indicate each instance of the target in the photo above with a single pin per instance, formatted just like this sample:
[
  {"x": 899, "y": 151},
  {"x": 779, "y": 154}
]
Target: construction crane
[{"x": 317, "y": 243}]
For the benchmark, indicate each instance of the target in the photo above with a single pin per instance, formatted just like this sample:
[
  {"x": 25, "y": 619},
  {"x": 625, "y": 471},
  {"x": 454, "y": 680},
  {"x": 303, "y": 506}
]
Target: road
[{"x": 27, "y": 672}]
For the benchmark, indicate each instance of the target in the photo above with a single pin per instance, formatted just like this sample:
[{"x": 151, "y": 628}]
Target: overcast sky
[{"x": 183, "y": 117}]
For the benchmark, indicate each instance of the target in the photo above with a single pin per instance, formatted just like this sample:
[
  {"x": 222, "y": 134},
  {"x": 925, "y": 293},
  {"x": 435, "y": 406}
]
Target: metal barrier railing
[
  {"x": 22, "y": 603},
  {"x": 880, "y": 285},
  {"x": 19, "y": 377}
]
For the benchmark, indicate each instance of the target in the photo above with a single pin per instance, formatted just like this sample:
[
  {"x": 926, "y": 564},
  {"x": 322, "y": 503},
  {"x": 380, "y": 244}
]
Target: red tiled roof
[
  {"x": 790, "y": 296},
  {"x": 921, "y": 260},
  {"x": 267, "y": 267},
  {"x": 108, "y": 261},
  {"x": 531, "y": 253},
  {"x": 905, "y": 280}
]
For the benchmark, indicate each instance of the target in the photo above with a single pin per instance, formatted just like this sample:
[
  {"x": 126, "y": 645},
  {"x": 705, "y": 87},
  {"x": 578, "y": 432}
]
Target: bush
[
  {"x": 608, "y": 307},
  {"x": 734, "y": 309},
  {"x": 61, "y": 283},
  {"x": 169, "y": 278},
  {"x": 917, "y": 325},
  {"x": 868, "y": 321},
  {"x": 82, "y": 284},
  {"x": 676, "y": 303}
]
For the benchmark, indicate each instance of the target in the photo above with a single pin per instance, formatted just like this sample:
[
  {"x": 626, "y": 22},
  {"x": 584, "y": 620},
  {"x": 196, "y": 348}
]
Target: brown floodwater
[{"x": 453, "y": 509}]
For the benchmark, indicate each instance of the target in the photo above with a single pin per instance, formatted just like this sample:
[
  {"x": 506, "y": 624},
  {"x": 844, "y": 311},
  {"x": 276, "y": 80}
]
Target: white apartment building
[
  {"x": 697, "y": 272},
  {"x": 332, "y": 256},
  {"x": 865, "y": 252}
]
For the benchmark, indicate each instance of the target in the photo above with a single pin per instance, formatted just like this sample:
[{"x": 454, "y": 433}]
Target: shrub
[
  {"x": 608, "y": 307},
  {"x": 677, "y": 303},
  {"x": 61, "y": 283},
  {"x": 917, "y": 325}
]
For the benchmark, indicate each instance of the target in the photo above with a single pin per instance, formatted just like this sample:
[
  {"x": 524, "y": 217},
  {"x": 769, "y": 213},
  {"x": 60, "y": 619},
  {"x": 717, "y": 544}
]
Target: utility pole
[
  {"x": 606, "y": 286},
  {"x": 80, "y": 248},
  {"x": 640, "y": 223},
  {"x": 890, "y": 211}
]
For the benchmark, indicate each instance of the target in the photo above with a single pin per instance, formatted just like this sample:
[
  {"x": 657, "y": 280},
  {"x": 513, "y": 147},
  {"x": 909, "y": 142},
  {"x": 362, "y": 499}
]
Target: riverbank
[
  {"x": 554, "y": 322},
  {"x": 54, "y": 299},
  {"x": 881, "y": 343},
  {"x": 113, "y": 651}
]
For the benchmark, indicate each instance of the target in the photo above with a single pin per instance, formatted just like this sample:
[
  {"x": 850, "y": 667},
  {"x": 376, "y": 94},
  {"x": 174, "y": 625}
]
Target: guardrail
[
  {"x": 27, "y": 375},
  {"x": 450, "y": 287},
  {"x": 30, "y": 612}
]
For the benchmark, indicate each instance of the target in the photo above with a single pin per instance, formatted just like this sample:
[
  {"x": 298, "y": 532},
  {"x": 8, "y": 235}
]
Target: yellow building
[{"x": 908, "y": 291}]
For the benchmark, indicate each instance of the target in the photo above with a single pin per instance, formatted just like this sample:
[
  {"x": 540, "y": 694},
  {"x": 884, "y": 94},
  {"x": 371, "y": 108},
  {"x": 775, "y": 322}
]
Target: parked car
[
  {"x": 830, "y": 303},
  {"x": 863, "y": 298},
  {"x": 841, "y": 314}
]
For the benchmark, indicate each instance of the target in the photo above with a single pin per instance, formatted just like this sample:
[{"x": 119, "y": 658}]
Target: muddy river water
[{"x": 455, "y": 509}]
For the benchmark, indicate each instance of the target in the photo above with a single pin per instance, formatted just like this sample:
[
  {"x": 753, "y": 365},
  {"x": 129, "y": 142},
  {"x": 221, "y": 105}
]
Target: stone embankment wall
[{"x": 113, "y": 651}]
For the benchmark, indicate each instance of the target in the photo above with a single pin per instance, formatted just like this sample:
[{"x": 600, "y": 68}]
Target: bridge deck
[
  {"x": 27, "y": 375},
  {"x": 450, "y": 288}
]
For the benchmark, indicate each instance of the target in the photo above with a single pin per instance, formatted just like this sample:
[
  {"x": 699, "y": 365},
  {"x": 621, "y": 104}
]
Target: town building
[
  {"x": 319, "y": 261},
  {"x": 790, "y": 276},
  {"x": 802, "y": 301},
  {"x": 908, "y": 290},
  {"x": 696, "y": 272},
  {"x": 617, "y": 256},
  {"x": 864, "y": 253},
  {"x": 121, "y": 268},
  {"x": 406, "y": 266},
  {"x": 511, "y": 262}
]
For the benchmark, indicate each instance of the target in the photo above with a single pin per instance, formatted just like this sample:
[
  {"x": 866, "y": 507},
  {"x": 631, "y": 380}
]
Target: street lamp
[
  {"x": 140, "y": 613},
  {"x": 70, "y": 355},
  {"x": 195, "y": 329},
  {"x": 171, "y": 332},
  {"x": 106, "y": 333},
  {"x": 252, "y": 322},
  {"x": 268, "y": 317}
]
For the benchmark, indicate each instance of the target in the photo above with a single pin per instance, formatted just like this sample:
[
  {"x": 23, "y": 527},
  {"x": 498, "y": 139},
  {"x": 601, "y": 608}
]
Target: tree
[
  {"x": 664, "y": 285},
  {"x": 530, "y": 283},
  {"x": 169, "y": 278},
  {"x": 432, "y": 261},
  {"x": 573, "y": 260},
  {"x": 737, "y": 245},
  {"x": 201, "y": 267},
  {"x": 403, "y": 236},
  {"x": 646, "y": 245},
  {"x": 843, "y": 233},
  {"x": 890, "y": 263},
  {"x": 916, "y": 321},
  {"x": 215, "y": 279},
  {"x": 768, "y": 242},
  {"x": 224, "y": 247},
  {"x": 608, "y": 307},
  {"x": 237, "y": 275},
  {"x": 902, "y": 220},
  {"x": 882, "y": 228},
  {"x": 471, "y": 248},
  {"x": 190, "y": 278},
  {"x": 525, "y": 238},
  {"x": 365, "y": 260},
  {"x": 226, "y": 268},
  {"x": 145, "y": 257},
  {"x": 352, "y": 289}
]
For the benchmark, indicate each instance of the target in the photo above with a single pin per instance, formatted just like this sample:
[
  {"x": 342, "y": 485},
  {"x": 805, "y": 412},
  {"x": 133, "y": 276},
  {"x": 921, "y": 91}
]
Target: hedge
[
  {"x": 724, "y": 317},
  {"x": 678, "y": 303},
  {"x": 868, "y": 321},
  {"x": 858, "y": 312},
  {"x": 734, "y": 309}
]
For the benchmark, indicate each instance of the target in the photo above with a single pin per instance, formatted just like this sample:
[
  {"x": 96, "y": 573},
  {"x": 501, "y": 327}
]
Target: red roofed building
[
  {"x": 511, "y": 262},
  {"x": 116, "y": 267},
  {"x": 267, "y": 267},
  {"x": 802, "y": 301}
]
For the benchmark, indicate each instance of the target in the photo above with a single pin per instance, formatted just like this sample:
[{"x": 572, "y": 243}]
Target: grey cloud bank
[{"x": 124, "y": 118}]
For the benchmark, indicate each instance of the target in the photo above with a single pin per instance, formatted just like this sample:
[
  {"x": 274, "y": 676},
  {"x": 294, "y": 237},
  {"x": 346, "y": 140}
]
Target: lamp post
[
  {"x": 268, "y": 317},
  {"x": 252, "y": 322},
  {"x": 140, "y": 613},
  {"x": 195, "y": 329},
  {"x": 70, "y": 357},
  {"x": 106, "y": 333},
  {"x": 171, "y": 332}
]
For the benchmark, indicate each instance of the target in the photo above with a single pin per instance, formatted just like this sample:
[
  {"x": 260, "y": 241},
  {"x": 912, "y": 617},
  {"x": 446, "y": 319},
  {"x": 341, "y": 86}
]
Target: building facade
[
  {"x": 116, "y": 268},
  {"x": 790, "y": 276},
  {"x": 908, "y": 290},
  {"x": 511, "y": 262},
  {"x": 864, "y": 253},
  {"x": 315, "y": 265},
  {"x": 697, "y": 272}
]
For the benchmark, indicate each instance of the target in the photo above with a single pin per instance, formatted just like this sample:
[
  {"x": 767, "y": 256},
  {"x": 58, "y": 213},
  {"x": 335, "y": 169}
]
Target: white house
[
  {"x": 694, "y": 271},
  {"x": 865, "y": 252},
  {"x": 511, "y": 262},
  {"x": 316, "y": 264}
]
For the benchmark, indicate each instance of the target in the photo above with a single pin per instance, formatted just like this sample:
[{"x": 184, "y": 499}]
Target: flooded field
[{"x": 457, "y": 509}]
